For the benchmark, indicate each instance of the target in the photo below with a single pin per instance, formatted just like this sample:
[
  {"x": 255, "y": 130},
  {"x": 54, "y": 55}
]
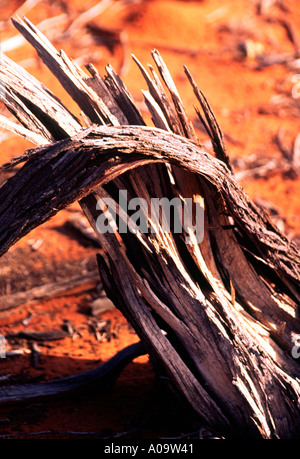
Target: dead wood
[
  {"x": 39, "y": 336},
  {"x": 290, "y": 31},
  {"x": 87, "y": 16},
  {"x": 287, "y": 164},
  {"x": 51, "y": 290},
  {"x": 219, "y": 318},
  {"x": 101, "y": 377},
  {"x": 52, "y": 27}
]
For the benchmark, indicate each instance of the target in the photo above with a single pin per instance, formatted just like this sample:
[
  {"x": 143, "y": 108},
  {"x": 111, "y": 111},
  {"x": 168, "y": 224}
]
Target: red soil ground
[{"x": 209, "y": 37}]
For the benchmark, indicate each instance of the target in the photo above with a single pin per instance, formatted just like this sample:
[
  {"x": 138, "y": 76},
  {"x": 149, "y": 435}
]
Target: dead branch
[
  {"x": 87, "y": 16},
  {"x": 52, "y": 27},
  {"x": 50, "y": 335},
  {"x": 219, "y": 318},
  {"x": 102, "y": 377},
  {"x": 52, "y": 290}
]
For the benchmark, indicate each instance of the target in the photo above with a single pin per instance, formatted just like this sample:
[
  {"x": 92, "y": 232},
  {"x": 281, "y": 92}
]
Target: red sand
[{"x": 203, "y": 35}]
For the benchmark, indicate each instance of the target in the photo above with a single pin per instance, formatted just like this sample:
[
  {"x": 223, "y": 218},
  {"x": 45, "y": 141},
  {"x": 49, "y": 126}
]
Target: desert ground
[{"x": 245, "y": 57}]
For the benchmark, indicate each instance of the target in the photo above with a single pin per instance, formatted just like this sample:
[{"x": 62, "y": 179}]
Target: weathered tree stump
[{"x": 218, "y": 316}]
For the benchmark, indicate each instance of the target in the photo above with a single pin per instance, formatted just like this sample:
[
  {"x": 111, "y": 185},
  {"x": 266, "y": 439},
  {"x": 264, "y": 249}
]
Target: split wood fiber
[{"x": 219, "y": 317}]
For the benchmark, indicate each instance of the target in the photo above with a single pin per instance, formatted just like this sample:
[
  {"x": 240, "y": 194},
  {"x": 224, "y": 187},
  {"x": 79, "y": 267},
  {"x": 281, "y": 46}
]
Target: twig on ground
[
  {"x": 76, "y": 284},
  {"x": 87, "y": 16},
  {"x": 103, "y": 377}
]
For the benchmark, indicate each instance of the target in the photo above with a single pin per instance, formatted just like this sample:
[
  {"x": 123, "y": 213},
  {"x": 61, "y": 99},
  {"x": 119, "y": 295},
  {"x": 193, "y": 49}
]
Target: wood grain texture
[{"x": 217, "y": 317}]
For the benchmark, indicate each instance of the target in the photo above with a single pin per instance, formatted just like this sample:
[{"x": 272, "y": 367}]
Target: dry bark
[{"x": 219, "y": 317}]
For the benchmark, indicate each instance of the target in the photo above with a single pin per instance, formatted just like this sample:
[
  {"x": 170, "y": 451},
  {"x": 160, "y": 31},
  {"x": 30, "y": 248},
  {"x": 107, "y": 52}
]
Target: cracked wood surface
[{"x": 218, "y": 317}]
